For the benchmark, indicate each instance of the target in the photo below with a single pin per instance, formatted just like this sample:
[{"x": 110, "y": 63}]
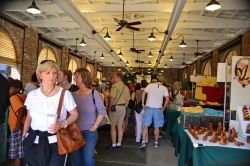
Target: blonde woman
[{"x": 41, "y": 124}]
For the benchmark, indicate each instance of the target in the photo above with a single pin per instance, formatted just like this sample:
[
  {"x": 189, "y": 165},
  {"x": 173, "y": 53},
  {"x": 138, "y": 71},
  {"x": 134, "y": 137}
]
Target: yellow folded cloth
[
  {"x": 213, "y": 103},
  {"x": 197, "y": 109}
]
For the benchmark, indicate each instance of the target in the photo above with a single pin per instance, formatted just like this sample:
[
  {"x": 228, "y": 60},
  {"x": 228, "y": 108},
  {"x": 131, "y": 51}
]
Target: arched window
[
  {"x": 7, "y": 49},
  {"x": 89, "y": 67},
  {"x": 99, "y": 75},
  {"x": 73, "y": 65},
  {"x": 228, "y": 59},
  {"x": 47, "y": 53},
  {"x": 194, "y": 71},
  {"x": 207, "y": 69},
  {"x": 8, "y": 55}
]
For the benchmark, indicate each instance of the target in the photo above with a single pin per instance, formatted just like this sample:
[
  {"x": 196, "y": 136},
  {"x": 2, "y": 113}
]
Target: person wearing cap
[
  {"x": 119, "y": 98},
  {"x": 154, "y": 109}
]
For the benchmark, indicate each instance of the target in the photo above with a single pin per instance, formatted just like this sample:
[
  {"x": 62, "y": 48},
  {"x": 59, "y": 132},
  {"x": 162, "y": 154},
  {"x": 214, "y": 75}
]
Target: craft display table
[{"x": 204, "y": 153}]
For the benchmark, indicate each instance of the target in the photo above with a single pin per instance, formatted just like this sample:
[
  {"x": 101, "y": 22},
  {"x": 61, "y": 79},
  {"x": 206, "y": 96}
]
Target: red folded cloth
[{"x": 214, "y": 94}]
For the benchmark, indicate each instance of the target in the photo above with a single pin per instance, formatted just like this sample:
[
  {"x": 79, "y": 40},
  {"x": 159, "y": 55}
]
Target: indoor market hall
[{"x": 124, "y": 83}]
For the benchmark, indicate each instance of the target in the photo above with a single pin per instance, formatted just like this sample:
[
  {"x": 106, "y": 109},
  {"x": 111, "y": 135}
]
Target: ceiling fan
[
  {"x": 197, "y": 53},
  {"x": 138, "y": 60},
  {"x": 124, "y": 23},
  {"x": 133, "y": 49}
]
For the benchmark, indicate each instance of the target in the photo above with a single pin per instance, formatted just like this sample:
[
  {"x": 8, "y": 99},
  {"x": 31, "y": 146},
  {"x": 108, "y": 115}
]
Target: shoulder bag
[
  {"x": 113, "y": 109},
  {"x": 105, "y": 119},
  {"x": 69, "y": 139}
]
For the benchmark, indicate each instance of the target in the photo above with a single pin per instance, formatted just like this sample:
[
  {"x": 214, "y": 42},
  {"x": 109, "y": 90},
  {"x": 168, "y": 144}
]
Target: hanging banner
[{"x": 240, "y": 86}]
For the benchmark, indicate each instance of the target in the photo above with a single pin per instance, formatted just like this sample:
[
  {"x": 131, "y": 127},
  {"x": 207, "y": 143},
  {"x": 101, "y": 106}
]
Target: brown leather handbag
[{"x": 69, "y": 139}]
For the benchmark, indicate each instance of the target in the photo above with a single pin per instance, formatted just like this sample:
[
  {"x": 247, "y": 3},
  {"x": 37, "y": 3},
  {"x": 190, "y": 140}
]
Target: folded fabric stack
[
  {"x": 213, "y": 112},
  {"x": 213, "y": 103},
  {"x": 195, "y": 110}
]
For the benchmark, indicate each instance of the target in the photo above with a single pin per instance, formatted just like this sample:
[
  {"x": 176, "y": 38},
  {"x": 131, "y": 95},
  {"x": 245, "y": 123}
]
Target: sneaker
[
  {"x": 143, "y": 146},
  {"x": 156, "y": 145},
  {"x": 119, "y": 147}
]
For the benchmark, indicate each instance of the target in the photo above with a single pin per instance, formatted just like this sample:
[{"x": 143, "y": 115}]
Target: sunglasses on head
[{"x": 107, "y": 84}]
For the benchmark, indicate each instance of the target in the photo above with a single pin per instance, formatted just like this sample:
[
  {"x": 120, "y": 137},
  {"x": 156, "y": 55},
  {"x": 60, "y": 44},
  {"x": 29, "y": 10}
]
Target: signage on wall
[
  {"x": 242, "y": 71},
  {"x": 240, "y": 88}
]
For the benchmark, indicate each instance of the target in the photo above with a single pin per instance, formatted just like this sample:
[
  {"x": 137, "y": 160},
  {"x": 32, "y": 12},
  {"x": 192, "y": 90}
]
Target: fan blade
[
  {"x": 141, "y": 50},
  {"x": 138, "y": 52},
  {"x": 133, "y": 28},
  {"x": 202, "y": 53},
  {"x": 118, "y": 29},
  {"x": 132, "y": 49},
  {"x": 134, "y": 23}
]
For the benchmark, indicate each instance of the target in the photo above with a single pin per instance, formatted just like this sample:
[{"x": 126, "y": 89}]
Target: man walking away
[
  {"x": 154, "y": 109},
  {"x": 119, "y": 98}
]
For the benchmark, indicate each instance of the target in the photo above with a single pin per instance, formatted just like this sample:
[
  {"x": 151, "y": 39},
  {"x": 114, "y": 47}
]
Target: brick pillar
[
  {"x": 198, "y": 67},
  {"x": 65, "y": 58},
  {"x": 84, "y": 61},
  {"x": 30, "y": 53},
  {"x": 214, "y": 62},
  {"x": 246, "y": 44}
]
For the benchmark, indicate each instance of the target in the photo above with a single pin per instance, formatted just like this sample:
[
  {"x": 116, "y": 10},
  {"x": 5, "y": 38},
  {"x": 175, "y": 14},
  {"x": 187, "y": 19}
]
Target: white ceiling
[{"x": 65, "y": 20}]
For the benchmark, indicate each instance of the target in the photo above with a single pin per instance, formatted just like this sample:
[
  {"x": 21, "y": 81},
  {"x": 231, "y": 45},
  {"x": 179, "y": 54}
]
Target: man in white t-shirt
[{"x": 154, "y": 109}]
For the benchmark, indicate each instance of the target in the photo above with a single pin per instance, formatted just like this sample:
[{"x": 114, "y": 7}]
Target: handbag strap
[
  {"x": 120, "y": 95},
  {"x": 60, "y": 103},
  {"x": 93, "y": 97}
]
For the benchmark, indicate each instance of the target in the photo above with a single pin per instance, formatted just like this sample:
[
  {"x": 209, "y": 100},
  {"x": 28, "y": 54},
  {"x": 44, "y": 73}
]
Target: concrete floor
[{"x": 131, "y": 155}]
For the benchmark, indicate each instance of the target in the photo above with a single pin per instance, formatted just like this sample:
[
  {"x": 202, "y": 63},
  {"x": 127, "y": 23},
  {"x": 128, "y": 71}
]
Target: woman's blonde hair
[
  {"x": 86, "y": 77},
  {"x": 42, "y": 67}
]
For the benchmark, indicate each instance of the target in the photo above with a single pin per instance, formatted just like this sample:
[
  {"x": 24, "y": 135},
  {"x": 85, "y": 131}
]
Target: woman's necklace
[{"x": 49, "y": 91}]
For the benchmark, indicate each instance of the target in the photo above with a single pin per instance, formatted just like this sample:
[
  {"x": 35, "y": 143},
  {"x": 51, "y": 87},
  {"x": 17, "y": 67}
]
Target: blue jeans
[{"x": 85, "y": 155}]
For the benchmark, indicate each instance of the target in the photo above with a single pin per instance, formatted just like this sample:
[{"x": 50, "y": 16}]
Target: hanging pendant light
[
  {"x": 107, "y": 37},
  {"x": 33, "y": 9},
  {"x": 102, "y": 56},
  {"x": 149, "y": 63},
  {"x": 120, "y": 54},
  {"x": 165, "y": 66},
  {"x": 83, "y": 43},
  {"x": 182, "y": 44},
  {"x": 127, "y": 64},
  {"x": 171, "y": 58},
  {"x": 113, "y": 64},
  {"x": 213, "y": 5},
  {"x": 151, "y": 37},
  {"x": 150, "y": 55}
]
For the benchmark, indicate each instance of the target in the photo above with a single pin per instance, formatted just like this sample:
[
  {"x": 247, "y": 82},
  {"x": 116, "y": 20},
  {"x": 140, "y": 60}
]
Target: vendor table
[
  {"x": 171, "y": 120},
  {"x": 208, "y": 154}
]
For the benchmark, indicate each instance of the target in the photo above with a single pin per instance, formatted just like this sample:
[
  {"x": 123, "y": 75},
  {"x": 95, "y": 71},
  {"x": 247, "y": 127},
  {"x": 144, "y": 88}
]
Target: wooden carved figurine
[
  {"x": 223, "y": 139},
  {"x": 213, "y": 138},
  {"x": 220, "y": 127},
  {"x": 245, "y": 112},
  {"x": 205, "y": 137}
]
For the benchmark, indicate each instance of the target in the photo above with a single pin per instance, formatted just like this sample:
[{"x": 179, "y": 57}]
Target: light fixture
[
  {"x": 119, "y": 69},
  {"x": 149, "y": 63},
  {"x": 213, "y": 5},
  {"x": 171, "y": 58},
  {"x": 165, "y": 66},
  {"x": 182, "y": 44},
  {"x": 113, "y": 64},
  {"x": 120, "y": 53},
  {"x": 83, "y": 43},
  {"x": 33, "y": 9},
  {"x": 127, "y": 64},
  {"x": 102, "y": 56},
  {"x": 149, "y": 69},
  {"x": 107, "y": 37},
  {"x": 152, "y": 37},
  {"x": 162, "y": 71}
]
